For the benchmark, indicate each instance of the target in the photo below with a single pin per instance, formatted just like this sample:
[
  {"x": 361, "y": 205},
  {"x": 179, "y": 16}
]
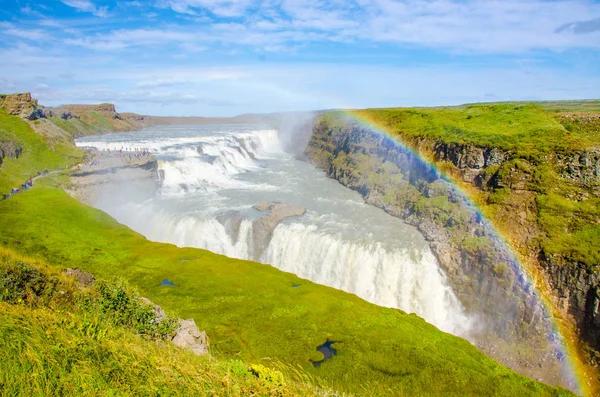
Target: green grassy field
[
  {"x": 250, "y": 311},
  {"x": 581, "y": 105},
  {"x": 525, "y": 129}
]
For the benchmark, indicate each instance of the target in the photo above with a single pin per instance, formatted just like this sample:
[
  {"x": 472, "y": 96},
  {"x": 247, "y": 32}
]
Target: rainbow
[{"x": 573, "y": 368}]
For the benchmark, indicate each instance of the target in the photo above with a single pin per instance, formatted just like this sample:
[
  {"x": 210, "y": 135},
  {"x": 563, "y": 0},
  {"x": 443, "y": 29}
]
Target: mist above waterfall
[{"x": 211, "y": 177}]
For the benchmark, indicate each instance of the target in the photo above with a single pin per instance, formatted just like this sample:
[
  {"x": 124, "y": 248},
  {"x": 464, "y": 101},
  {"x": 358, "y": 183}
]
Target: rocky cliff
[
  {"x": 484, "y": 274},
  {"x": 21, "y": 105}
]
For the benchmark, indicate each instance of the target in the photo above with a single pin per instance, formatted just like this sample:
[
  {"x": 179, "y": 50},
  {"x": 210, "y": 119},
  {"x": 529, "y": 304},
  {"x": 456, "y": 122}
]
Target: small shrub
[
  {"x": 20, "y": 282},
  {"x": 124, "y": 307},
  {"x": 268, "y": 375},
  {"x": 238, "y": 368}
]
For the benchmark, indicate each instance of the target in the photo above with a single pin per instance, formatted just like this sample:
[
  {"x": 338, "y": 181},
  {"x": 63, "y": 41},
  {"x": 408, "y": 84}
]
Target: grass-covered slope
[
  {"x": 250, "y": 311},
  {"x": 37, "y": 154},
  {"x": 59, "y": 339}
]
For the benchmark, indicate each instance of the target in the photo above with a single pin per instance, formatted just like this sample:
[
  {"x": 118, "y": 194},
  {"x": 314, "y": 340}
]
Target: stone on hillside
[
  {"x": 189, "y": 336},
  {"x": 159, "y": 313},
  {"x": 84, "y": 279}
]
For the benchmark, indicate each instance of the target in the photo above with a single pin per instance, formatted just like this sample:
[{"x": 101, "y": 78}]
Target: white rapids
[{"x": 211, "y": 176}]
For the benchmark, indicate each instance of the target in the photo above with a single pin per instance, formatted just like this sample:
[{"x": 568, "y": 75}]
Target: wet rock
[
  {"x": 232, "y": 221},
  {"x": 189, "y": 337},
  {"x": 262, "y": 228},
  {"x": 84, "y": 279},
  {"x": 577, "y": 290}
]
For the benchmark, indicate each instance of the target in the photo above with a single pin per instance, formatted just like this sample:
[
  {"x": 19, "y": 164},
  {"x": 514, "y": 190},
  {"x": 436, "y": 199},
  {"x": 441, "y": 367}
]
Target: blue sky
[{"x": 226, "y": 57}]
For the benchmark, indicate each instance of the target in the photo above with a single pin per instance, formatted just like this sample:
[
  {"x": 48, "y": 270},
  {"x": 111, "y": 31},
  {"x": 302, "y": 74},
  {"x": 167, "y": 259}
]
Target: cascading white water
[
  {"x": 213, "y": 175},
  {"x": 404, "y": 278}
]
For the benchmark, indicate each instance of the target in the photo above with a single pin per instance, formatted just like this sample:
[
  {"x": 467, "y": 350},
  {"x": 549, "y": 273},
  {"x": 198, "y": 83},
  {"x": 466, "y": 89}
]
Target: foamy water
[{"x": 213, "y": 175}]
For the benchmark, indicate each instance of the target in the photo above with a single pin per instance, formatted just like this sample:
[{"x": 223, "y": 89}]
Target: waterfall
[{"x": 210, "y": 182}]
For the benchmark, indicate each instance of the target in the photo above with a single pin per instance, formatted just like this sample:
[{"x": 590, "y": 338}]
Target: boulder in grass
[{"x": 84, "y": 279}]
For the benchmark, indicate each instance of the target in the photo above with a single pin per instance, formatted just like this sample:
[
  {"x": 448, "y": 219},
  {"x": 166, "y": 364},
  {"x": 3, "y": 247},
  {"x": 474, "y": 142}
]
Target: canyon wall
[{"x": 480, "y": 269}]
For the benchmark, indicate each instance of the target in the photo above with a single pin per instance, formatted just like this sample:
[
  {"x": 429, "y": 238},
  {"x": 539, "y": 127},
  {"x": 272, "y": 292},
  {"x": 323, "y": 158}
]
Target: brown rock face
[{"x": 21, "y": 105}]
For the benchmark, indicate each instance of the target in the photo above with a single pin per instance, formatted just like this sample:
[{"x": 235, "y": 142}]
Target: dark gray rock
[
  {"x": 581, "y": 167},
  {"x": 577, "y": 290}
]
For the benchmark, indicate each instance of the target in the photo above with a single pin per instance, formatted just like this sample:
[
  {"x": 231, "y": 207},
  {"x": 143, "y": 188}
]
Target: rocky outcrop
[
  {"x": 62, "y": 113},
  {"x": 188, "y": 336},
  {"x": 262, "y": 228},
  {"x": 470, "y": 160},
  {"x": 159, "y": 313},
  {"x": 577, "y": 291},
  {"x": 9, "y": 149},
  {"x": 21, "y": 105},
  {"x": 67, "y": 112},
  {"x": 581, "y": 167}
]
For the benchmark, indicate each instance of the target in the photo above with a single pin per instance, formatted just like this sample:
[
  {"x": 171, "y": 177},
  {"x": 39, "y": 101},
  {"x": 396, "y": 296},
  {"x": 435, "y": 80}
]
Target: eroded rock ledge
[{"x": 106, "y": 171}]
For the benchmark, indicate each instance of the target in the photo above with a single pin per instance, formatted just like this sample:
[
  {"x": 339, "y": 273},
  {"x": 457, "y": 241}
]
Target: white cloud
[
  {"x": 29, "y": 34},
  {"x": 222, "y": 8},
  {"x": 50, "y": 23},
  {"x": 87, "y": 6},
  {"x": 510, "y": 26}
]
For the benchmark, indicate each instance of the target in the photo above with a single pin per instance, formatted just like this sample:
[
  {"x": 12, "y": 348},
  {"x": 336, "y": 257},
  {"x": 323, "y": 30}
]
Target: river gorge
[{"x": 239, "y": 190}]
